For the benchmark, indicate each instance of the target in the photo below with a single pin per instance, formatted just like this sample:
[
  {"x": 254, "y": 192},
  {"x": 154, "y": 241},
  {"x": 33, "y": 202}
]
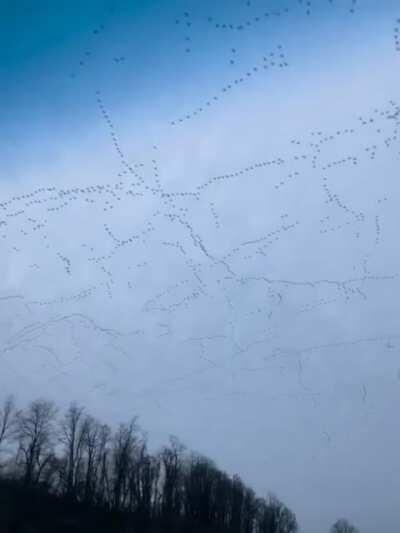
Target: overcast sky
[{"x": 199, "y": 224}]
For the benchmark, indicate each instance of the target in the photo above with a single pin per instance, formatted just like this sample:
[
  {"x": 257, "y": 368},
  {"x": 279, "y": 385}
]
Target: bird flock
[{"x": 206, "y": 264}]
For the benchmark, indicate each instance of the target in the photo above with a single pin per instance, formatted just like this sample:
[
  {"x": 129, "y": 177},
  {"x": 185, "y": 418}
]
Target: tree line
[{"x": 79, "y": 459}]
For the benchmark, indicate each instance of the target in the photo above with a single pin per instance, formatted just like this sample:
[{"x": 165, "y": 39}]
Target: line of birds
[{"x": 207, "y": 273}]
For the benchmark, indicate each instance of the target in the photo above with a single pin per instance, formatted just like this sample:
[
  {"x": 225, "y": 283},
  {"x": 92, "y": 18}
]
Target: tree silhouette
[
  {"x": 343, "y": 526},
  {"x": 82, "y": 462},
  {"x": 35, "y": 435},
  {"x": 7, "y": 421},
  {"x": 72, "y": 436},
  {"x": 275, "y": 517}
]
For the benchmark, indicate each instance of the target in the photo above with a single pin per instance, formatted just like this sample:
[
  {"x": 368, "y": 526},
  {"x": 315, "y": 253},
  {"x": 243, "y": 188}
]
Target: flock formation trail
[{"x": 149, "y": 283}]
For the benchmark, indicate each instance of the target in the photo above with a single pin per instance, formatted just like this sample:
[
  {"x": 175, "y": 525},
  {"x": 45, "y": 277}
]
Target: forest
[{"x": 69, "y": 472}]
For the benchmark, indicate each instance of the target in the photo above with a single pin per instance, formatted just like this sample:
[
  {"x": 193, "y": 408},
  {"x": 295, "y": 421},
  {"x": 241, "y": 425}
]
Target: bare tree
[
  {"x": 103, "y": 490},
  {"x": 93, "y": 448},
  {"x": 249, "y": 510},
  {"x": 7, "y": 420},
  {"x": 343, "y": 526},
  {"x": 143, "y": 481},
  {"x": 125, "y": 441},
  {"x": 222, "y": 499},
  {"x": 199, "y": 480},
  {"x": 275, "y": 517},
  {"x": 35, "y": 438},
  {"x": 72, "y": 434},
  {"x": 237, "y": 497},
  {"x": 171, "y": 458}
]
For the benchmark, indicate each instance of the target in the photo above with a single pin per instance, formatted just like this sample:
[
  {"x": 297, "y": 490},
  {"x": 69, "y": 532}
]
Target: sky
[{"x": 198, "y": 225}]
